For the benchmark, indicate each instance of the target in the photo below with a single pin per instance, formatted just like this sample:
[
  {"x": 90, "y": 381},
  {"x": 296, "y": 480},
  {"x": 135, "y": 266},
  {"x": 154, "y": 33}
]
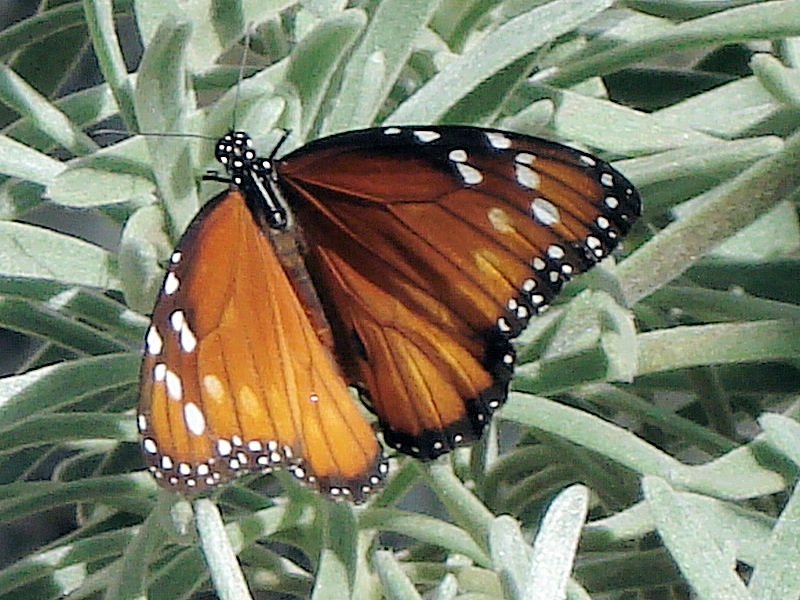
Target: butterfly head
[{"x": 235, "y": 151}]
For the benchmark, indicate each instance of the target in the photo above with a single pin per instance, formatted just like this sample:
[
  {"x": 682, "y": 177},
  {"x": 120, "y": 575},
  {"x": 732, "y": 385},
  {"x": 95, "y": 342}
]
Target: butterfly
[{"x": 398, "y": 261}]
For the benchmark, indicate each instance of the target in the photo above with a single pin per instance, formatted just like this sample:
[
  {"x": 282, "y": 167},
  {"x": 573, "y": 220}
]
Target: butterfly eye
[{"x": 413, "y": 256}]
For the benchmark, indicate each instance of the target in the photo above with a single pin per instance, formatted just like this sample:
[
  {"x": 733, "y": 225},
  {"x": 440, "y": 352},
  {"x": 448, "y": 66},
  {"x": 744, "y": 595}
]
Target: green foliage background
[{"x": 666, "y": 384}]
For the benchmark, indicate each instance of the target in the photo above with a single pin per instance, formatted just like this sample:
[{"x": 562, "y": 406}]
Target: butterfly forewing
[
  {"x": 235, "y": 376},
  {"x": 431, "y": 247}
]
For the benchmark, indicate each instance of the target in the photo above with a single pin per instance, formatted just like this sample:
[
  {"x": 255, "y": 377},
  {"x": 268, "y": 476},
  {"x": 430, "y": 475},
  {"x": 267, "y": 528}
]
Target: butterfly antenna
[
  {"x": 242, "y": 64},
  {"x": 151, "y": 134},
  {"x": 284, "y": 137}
]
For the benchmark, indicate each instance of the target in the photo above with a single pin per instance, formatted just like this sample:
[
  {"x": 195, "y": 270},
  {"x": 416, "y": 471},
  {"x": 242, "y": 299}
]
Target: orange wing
[
  {"x": 236, "y": 377},
  {"x": 431, "y": 247}
]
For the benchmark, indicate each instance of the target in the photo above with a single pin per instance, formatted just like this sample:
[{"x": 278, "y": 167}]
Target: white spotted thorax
[{"x": 569, "y": 237}]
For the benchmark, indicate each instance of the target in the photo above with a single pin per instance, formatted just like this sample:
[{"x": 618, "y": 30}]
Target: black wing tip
[
  {"x": 433, "y": 443},
  {"x": 356, "y": 489}
]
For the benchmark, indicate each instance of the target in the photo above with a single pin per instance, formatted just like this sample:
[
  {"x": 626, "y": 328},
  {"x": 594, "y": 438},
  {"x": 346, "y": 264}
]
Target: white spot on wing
[
  {"x": 588, "y": 160},
  {"x": 174, "y": 386},
  {"x": 458, "y": 156},
  {"x": 175, "y": 258},
  {"x": 426, "y": 136},
  {"x": 171, "y": 283},
  {"x": 527, "y": 177},
  {"x": 194, "y": 418},
  {"x": 224, "y": 447},
  {"x": 525, "y": 158},
  {"x": 611, "y": 202},
  {"x": 500, "y": 220},
  {"x": 469, "y": 174},
  {"x": 153, "y": 341},
  {"x": 391, "y": 130},
  {"x": 545, "y": 212},
  {"x": 177, "y": 319},
  {"x": 498, "y": 140},
  {"x": 150, "y": 446},
  {"x": 159, "y": 372},
  {"x": 141, "y": 421},
  {"x": 188, "y": 341},
  {"x": 213, "y": 386},
  {"x": 607, "y": 179}
]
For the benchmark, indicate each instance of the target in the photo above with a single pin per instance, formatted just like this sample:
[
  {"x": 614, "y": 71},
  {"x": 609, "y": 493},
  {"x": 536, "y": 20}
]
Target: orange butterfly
[{"x": 409, "y": 260}]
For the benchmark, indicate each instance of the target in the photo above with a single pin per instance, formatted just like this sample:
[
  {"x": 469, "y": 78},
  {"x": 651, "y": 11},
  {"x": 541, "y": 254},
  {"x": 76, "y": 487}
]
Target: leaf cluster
[{"x": 666, "y": 384}]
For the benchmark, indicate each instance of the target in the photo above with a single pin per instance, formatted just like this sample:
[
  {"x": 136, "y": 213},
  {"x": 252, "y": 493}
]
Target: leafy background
[{"x": 664, "y": 387}]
